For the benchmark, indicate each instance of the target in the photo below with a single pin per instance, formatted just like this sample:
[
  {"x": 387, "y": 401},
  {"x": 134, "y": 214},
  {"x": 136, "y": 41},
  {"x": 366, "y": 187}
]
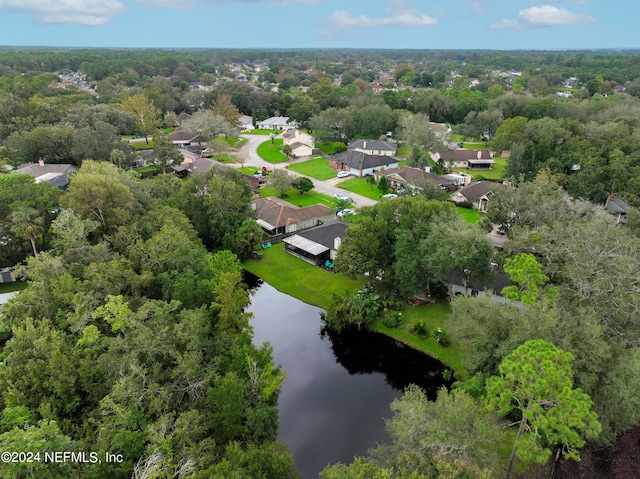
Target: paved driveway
[{"x": 249, "y": 156}]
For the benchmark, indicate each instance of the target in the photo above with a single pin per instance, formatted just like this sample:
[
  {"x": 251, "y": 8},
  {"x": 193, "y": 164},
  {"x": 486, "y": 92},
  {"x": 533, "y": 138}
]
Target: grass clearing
[
  {"x": 470, "y": 216},
  {"x": 403, "y": 150},
  {"x": 317, "y": 168},
  {"x": 362, "y": 187},
  {"x": 248, "y": 170},
  {"x": 235, "y": 142},
  {"x": 270, "y": 151},
  {"x": 295, "y": 198},
  {"x": 13, "y": 286},
  {"x": 142, "y": 144},
  {"x": 264, "y": 132},
  {"x": 300, "y": 279},
  {"x": 434, "y": 316},
  {"x": 147, "y": 169},
  {"x": 495, "y": 173}
]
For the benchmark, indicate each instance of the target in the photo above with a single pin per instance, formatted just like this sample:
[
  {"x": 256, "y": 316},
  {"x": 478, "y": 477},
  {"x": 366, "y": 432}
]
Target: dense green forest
[{"x": 131, "y": 337}]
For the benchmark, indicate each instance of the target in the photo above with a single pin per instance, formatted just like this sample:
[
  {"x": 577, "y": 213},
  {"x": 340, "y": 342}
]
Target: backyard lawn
[
  {"x": 317, "y": 168},
  {"x": 495, "y": 173},
  {"x": 362, "y": 187},
  {"x": 264, "y": 132},
  {"x": 13, "y": 286},
  {"x": 295, "y": 198},
  {"x": 469, "y": 215},
  {"x": 302, "y": 280},
  {"x": 270, "y": 151},
  {"x": 433, "y": 316},
  {"x": 403, "y": 150}
]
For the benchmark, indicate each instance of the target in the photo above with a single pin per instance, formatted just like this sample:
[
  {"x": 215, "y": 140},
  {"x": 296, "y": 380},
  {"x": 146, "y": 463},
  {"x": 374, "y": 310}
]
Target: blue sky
[{"x": 424, "y": 24}]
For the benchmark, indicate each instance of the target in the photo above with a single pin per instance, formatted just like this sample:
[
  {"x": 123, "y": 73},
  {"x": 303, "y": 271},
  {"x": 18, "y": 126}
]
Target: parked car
[
  {"x": 340, "y": 196},
  {"x": 267, "y": 169},
  {"x": 207, "y": 152},
  {"x": 343, "y": 174},
  {"x": 345, "y": 212},
  {"x": 390, "y": 196}
]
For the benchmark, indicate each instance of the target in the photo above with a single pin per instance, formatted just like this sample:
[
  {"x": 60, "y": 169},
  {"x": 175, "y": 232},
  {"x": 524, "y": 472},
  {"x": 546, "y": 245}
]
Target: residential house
[
  {"x": 54, "y": 174},
  {"x": 182, "y": 138},
  {"x": 477, "y": 194},
  {"x": 7, "y": 276},
  {"x": 276, "y": 123},
  {"x": 182, "y": 117},
  {"x": 617, "y": 208},
  {"x": 361, "y": 164},
  {"x": 491, "y": 288},
  {"x": 189, "y": 167},
  {"x": 246, "y": 122},
  {"x": 319, "y": 244},
  {"x": 373, "y": 147},
  {"x": 463, "y": 158},
  {"x": 278, "y": 217},
  {"x": 408, "y": 177},
  {"x": 302, "y": 144}
]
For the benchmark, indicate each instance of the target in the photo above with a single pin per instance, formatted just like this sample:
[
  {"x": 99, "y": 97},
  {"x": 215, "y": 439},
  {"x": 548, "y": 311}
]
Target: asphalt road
[{"x": 249, "y": 156}]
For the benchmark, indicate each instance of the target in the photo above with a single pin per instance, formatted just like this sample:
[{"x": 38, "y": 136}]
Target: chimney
[
  {"x": 41, "y": 162},
  {"x": 364, "y": 145},
  {"x": 191, "y": 166},
  {"x": 337, "y": 241},
  {"x": 479, "y": 154}
]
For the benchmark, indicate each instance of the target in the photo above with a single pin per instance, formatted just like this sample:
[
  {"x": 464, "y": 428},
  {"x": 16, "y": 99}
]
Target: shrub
[
  {"x": 441, "y": 337},
  {"x": 419, "y": 328},
  {"x": 394, "y": 320}
]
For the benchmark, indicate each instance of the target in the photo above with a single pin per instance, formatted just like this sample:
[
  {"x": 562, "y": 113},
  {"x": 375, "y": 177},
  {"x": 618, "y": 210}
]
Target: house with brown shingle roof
[
  {"x": 181, "y": 137},
  {"x": 278, "y": 217},
  {"x": 406, "y": 176},
  {"x": 476, "y": 193}
]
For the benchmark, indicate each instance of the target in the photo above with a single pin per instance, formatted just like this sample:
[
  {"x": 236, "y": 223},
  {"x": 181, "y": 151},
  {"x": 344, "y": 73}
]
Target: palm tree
[{"x": 27, "y": 224}]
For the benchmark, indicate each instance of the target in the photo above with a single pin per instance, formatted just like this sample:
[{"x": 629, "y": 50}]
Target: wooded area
[{"x": 131, "y": 337}]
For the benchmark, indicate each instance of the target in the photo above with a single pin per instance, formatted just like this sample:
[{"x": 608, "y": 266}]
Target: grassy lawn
[
  {"x": 328, "y": 148},
  {"x": 147, "y": 169},
  {"x": 470, "y": 216},
  {"x": 434, "y": 316},
  {"x": 495, "y": 173},
  {"x": 403, "y": 150},
  {"x": 270, "y": 152},
  {"x": 248, "y": 170},
  {"x": 142, "y": 145},
  {"x": 264, "y": 132},
  {"x": 300, "y": 279},
  {"x": 14, "y": 286},
  {"x": 235, "y": 142},
  {"x": 361, "y": 187},
  {"x": 317, "y": 168},
  {"x": 295, "y": 198}
]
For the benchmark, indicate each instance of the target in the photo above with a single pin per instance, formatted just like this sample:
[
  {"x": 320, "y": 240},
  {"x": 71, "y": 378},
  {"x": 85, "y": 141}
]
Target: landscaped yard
[
  {"x": 142, "y": 144},
  {"x": 316, "y": 286},
  {"x": 147, "y": 169},
  {"x": 248, "y": 170},
  {"x": 270, "y": 151},
  {"x": 434, "y": 316},
  {"x": 495, "y": 173},
  {"x": 403, "y": 150},
  {"x": 295, "y": 198},
  {"x": 317, "y": 168},
  {"x": 362, "y": 187},
  {"x": 302, "y": 280},
  {"x": 328, "y": 148}
]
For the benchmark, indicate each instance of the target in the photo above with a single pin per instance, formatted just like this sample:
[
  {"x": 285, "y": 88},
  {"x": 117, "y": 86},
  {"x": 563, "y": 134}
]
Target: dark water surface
[{"x": 339, "y": 386}]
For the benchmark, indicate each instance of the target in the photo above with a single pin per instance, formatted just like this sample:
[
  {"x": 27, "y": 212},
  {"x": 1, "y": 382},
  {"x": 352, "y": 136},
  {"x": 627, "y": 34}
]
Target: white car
[
  {"x": 343, "y": 174},
  {"x": 340, "y": 196},
  {"x": 345, "y": 212},
  {"x": 390, "y": 196}
]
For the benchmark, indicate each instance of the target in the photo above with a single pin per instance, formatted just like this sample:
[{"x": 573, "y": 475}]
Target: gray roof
[
  {"x": 615, "y": 205},
  {"x": 54, "y": 174},
  {"x": 326, "y": 233},
  {"x": 371, "y": 145},
  {"x": 362, "y": 161}
]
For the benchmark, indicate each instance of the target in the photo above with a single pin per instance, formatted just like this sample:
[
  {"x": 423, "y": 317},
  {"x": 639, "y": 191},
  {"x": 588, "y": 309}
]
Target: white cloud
[
  {"x": 81, "y": 12},
  {"x": 544, "y": 16},
  {"x": 190, "y": 3},
  {"x": 476, "y": 7},
  {"x": 399, "y": 14}
]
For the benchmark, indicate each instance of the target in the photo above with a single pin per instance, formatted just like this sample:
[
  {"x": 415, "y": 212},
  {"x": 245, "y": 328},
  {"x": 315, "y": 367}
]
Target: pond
[{"x": 339, "y": 386}]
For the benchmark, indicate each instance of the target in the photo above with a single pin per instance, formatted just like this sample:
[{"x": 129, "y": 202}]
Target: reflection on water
[{"x": 338, "y": 387}]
